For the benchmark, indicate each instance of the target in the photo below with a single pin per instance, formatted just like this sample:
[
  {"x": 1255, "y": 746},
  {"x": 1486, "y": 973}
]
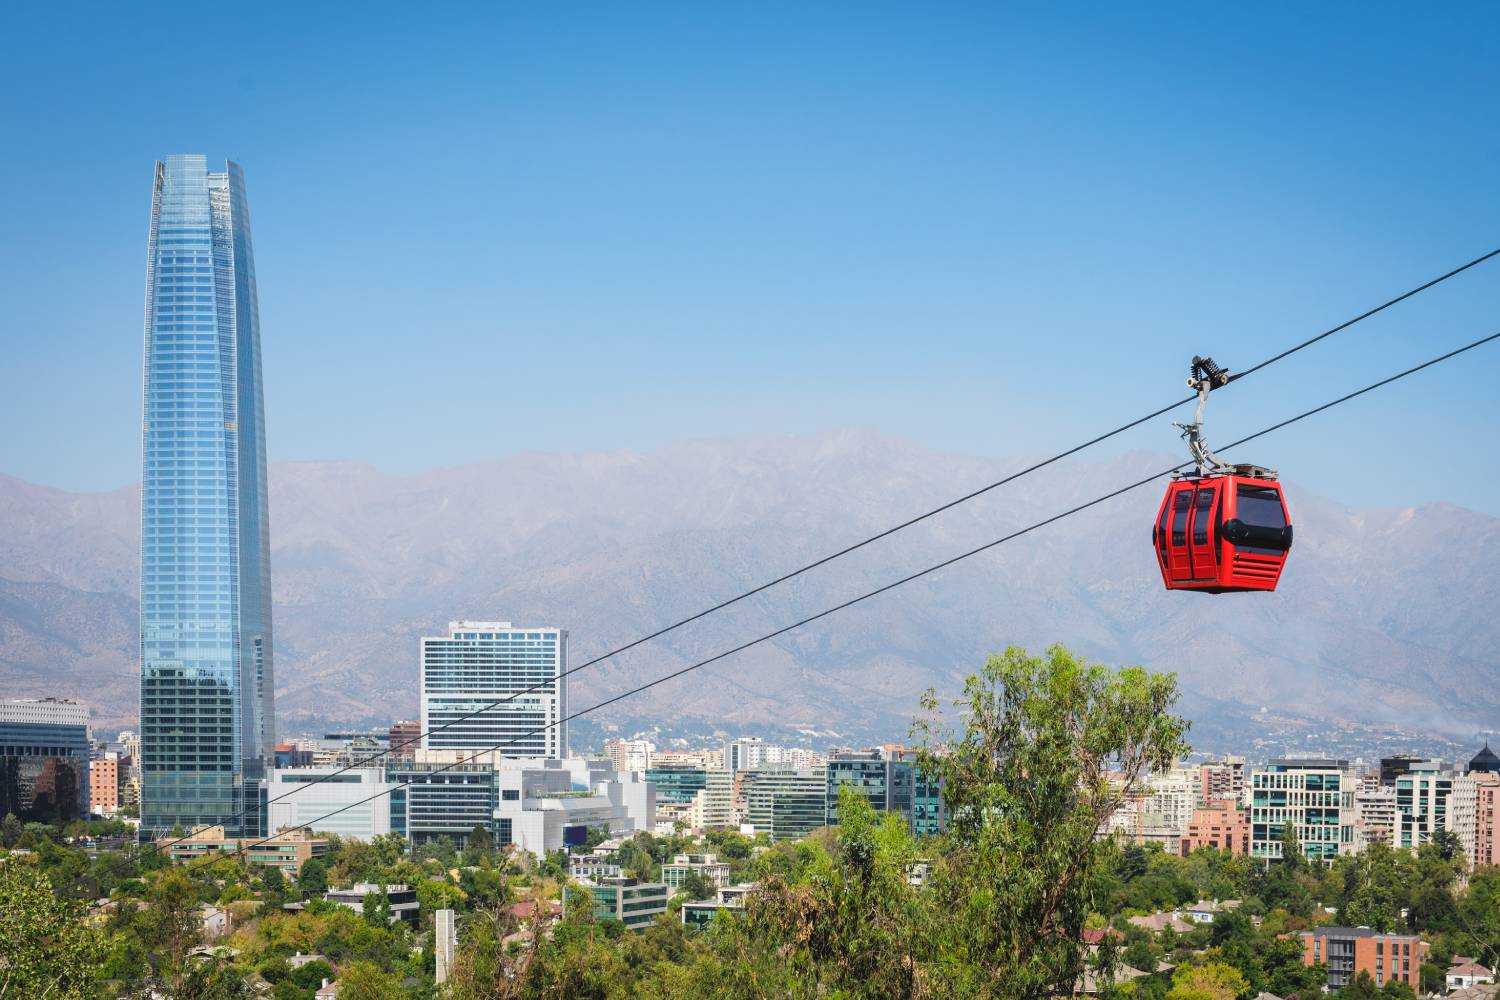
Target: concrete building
[
  {"x": 326, "y": 800},
  {"x": 1375, "y": 813},
  {"x": 401, "y": 898},
  {"x": 545, "y": 805},
  {"x": 708, "y": 866},
  {"x": 491, "y": 683},
  {"x": 445, "y": 794},
  {"x": 1473, "y": 812},
  {"x": 786, "y": 804},
  {"x": 444, "y": 944},
  {"x": 743, "y": 754},
  {"x": 44, "y": 759},
  {"x": 1221, "y": 824},
  {"x": 634, "y": 903},
  {"x": 1422, "y": 802},
  {"x": 1314, "y": 795},
  {"x": 108, "y": 777},
  {"x": 286, "y": 851},
  {"x": 1348, "y": 951},
  {"x": 729, "y": 899},
  {"x": 629, "y": 755},
  {"x": 1220, "y": 781},
  {"x": 713, "y": 806},
  {"x": 1157, "y": 810},
  {"x": 405, "y": 737}
]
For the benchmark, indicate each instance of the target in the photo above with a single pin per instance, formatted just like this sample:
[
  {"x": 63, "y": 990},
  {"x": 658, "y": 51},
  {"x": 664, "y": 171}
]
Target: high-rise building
[
  {"x": 744, "y": 753},
  {"x": 1474, "y": 815},
  {"x": 630, "y": 755},
  {"x": 1314, "y": 795},
  {"x": 44, "y": 759},
  {"x": 1220, "y": 781},
  {"x": 405, "y": 738},
  {"x": 489, "y": 683},
  {"x": 107, "y": 776},
  {"x": 207, "y": 723},
  {"x": 1421, "y": 803},
  {"x": 880, "y": 778},
  {"x": 786, "y": 804}
]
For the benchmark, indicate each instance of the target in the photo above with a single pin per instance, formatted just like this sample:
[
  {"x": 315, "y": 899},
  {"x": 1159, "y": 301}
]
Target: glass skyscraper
[
  {"x": 477, "y": 689},
  {"x": 206, "y": 679}
]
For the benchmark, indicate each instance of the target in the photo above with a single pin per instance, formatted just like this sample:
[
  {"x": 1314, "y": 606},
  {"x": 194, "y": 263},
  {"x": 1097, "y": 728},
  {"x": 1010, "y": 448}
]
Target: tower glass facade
[{"x": 207, "y": 722}]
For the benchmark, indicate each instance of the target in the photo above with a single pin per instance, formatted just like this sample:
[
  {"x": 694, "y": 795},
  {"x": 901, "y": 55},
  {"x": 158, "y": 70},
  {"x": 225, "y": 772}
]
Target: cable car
[{"x": 1221, "y": 528}]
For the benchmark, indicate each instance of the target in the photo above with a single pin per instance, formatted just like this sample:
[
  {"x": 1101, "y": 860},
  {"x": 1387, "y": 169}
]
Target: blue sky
[{"x": 991, "y": 228}]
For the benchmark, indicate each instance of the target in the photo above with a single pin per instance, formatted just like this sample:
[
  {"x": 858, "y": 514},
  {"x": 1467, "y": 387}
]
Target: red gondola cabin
[{"x": 1223, "y": 533}]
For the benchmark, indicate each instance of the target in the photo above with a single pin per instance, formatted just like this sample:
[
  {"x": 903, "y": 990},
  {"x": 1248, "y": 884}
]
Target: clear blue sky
[{"x": 993, "y": 228}]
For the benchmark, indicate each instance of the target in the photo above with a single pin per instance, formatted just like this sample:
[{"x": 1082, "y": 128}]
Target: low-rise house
[
  {"x": 634, "y": 903},
  {"x": 1348, "y": 951},
  {"x": 1466, "y": 972},
  {"x": 285, "y": 851},
  {"x": 1157, "y": 922},
  {"x": 700, "y": 913},
  {"x": 713, "y": 871},
  {"x": 1204, "y": 911},
  {"x": 401, "y": 898}
]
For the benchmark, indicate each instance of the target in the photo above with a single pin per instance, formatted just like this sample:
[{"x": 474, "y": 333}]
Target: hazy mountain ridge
[{"x": 1382, "y": 613}]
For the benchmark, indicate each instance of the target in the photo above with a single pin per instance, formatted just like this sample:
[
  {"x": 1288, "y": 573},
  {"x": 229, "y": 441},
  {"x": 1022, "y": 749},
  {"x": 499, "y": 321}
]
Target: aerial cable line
[
  {"x": 935, "y": 567},
  {"x": 365, "y": 761}
]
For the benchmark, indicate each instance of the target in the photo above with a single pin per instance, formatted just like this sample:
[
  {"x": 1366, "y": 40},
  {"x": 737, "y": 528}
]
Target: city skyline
[{"x": 207, "y": 673}]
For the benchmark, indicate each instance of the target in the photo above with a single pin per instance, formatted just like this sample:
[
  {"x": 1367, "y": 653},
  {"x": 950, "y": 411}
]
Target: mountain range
[{"x": 1386, "y": 615}]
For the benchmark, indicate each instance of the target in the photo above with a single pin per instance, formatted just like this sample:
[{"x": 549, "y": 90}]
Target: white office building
[
  {"x": 548, "y": 804},
  {"x": 327, "y": 801},
  {"x": 509, "y": 679}
]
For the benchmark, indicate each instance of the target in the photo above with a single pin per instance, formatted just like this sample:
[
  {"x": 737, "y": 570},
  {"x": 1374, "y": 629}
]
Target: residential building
[
  {"x": 786, "y": 804},
  {"x": 743, "y": 754},
  {"x": 493, "y": 685},
  {"x": 401, "y": 898},
  {"x": 1221, "y": 824},
  {"x": 1473, "y": 812},
  {"x": 1421, "y": 802},
  {"x": 1465, "y": 972},
  {"x": 207, "y": 720},
  {"x": 44, "y": 759},
  {"x": 1375, "y": 813},
  {"x": 1348, "y": 951},
  {"x": 729, "y": 899},
  {"x": 885, "y": 782},
  {"x": 593, "y": 867},
  {"x": 634, "y": 903},
  {"x": 629, "y": 755},
  {"x": 672, "y": 816},
  {"x": 1220, "y": 781},
  {"x": 108, "y": 775},
  {"x": 405, "y": 738},
  {"x": 1156, "y": 810},
  {"x": 356, "y": 802},
  {"x": 713, "y": 806},
  {"x": 286, "y": 851},
  {"x": 690, "y": 759},
  {"x": 1314, "y": 795},
  {"x": 713, "y": 871}
]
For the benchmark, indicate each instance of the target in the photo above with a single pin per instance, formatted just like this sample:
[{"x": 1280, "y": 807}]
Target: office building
[
  {"x": 786, "y": 804},
  {"x": 1394, "y": 766},
  {"x": 712, "y": 870},
  {"x": 634, "y": 903},
  {"x": 285, "y": 851},
  {"x": 44, "y": 759},
  {"x": 332, "y": 800},
  {"x": 1421, "y": 802},
  {"x": 1314, "y": 795},
  {"x": 490, "y": 684},
  {"x": 677, "y": 784},
  {"x": 883, "y": 781},
  {"x": 440, "y": 797},
  {"x": 206, "y": 666},
  {"x": 1348, "y": 951}
]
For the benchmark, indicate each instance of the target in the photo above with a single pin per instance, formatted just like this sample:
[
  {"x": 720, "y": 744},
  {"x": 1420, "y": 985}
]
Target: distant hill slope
[{"x": 1387, "y": 615}]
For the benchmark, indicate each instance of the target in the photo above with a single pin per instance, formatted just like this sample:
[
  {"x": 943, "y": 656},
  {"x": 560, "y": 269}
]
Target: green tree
[
  {"x": 695, "y": 886},
  {"x": 367, "y": 981},
  {"x": 1028, "y": 786},
  {"x": 1213, "y": 981},
  {"x": 313, "y": 879},
  {"x": 171, "y": 926},
  {"x": 1292, "y": 858},
  {"x": 46, "y": 950},
  {"x": 376, "y": 909},
  {"x": 1361, "y": 987}
]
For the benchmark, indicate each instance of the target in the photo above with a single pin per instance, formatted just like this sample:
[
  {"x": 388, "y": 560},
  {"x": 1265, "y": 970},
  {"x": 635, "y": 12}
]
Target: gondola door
[
  {"x": 1203, "y": 535},
  {"x": 1179, "y": 559}
]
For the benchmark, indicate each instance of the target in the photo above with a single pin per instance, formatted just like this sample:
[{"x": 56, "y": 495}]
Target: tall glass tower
[{"x": 206, "y": 680}]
